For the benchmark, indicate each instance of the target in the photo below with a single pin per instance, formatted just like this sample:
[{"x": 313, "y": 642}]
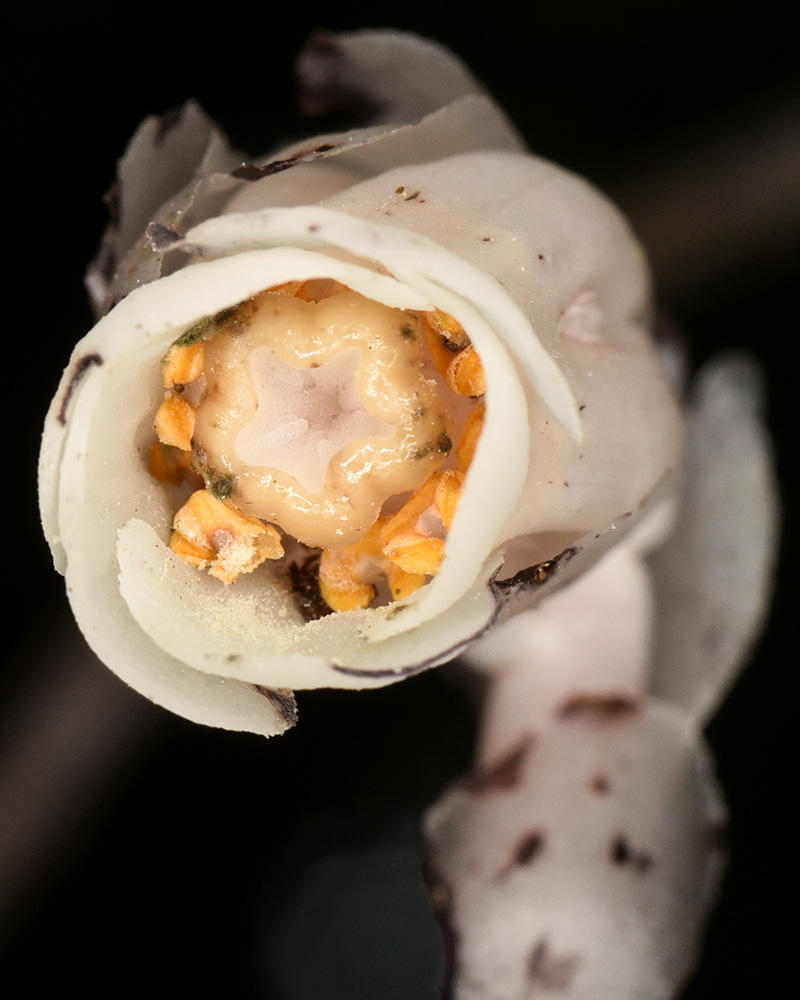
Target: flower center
[
  {"x": 330, "y": 416},
  {"x": 304, "y": 418},
  {"x": 318, "y": 409}
]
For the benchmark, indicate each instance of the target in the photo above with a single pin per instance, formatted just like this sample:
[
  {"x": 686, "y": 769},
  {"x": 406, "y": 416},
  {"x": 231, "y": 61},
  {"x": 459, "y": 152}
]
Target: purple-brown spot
[
  {"x": 527, "y": 850},
  {"x": 505, "y": 774},
  {"x": 282, "y": 699},
  {"x": 600, "y": 784},
  {"x": 602, "y": 707},
  {"x": 254, "y": 171},
  {"x": 622, "y": 853},
  {"x": 81, "y": 368},
  {"x": 304, "y": 585},
  {"x": 549, "y": 972},
  {"x": 533, "y": 576}
]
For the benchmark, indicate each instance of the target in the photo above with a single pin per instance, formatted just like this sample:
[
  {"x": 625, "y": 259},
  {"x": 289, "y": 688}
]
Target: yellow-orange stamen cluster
[
  {"x": 400, "y": 547},
  {"x": 403, "y": 549},
  {"x": 175, "y": 418}
]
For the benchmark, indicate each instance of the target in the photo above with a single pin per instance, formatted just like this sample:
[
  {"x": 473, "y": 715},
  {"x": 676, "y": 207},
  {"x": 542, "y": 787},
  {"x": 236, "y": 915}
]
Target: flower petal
[
  {"x": 380, "y": 76},
  {"x": 168, "y": 154},
  {"x": 714, "y": 575},
  {"x": 582, "y": 862}
]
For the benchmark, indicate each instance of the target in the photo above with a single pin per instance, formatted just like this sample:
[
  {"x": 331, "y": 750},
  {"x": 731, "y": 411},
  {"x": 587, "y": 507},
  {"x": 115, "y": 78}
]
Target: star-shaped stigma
[{"x": 305, "y": 416}]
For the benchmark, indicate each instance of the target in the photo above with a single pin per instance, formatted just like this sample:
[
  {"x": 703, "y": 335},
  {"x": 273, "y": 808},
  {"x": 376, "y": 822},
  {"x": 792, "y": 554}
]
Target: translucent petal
[{"x": 713, "y": 578}]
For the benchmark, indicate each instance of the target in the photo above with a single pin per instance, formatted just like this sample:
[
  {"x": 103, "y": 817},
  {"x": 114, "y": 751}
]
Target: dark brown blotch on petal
[
  {"x": 82, "y": 366},
  {"x": 506, "y": 773},
  {"x": 254, "y": 172},
  {"x": 549, "y": 972},
  {"x": 527, "y": 850},
  {"x": 602, "y": 707},
  {"x": 304, "y": 585},
  {"x": 532, "y": 576},
  {"x": 282, "y": 699},
  {"x": 622, "y": 853}
]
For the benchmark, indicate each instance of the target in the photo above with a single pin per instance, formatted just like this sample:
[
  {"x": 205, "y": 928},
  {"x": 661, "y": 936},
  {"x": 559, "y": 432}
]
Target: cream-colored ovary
[{"x": 320, "y": 410}]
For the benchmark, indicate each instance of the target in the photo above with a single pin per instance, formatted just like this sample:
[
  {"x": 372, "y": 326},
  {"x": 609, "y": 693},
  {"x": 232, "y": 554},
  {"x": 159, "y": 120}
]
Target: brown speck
[
  {"x": 621, "y": 853},
  {"x": 600, "y": 784},
  {"x": 505, "y": 774},
  {"x": 525, "y": 853},
  {"x": 486, "y": 239},
  {"x": 529, "y": 847},
  {"x": 82, "y": 366},
  {"x": 549, "y": 972},
  {"x": 541, "y": 256},
  {"x": 602, "y": 707}
]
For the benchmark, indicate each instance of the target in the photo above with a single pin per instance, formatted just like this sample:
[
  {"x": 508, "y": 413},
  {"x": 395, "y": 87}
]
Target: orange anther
[
  {"x": 174, "y": 423},
  {"x": 465, "y": 374},
  {"x": 401, "y": 583},
  {"x": 439, "y": 493},
  {"x": 239, "y": 543},
  {"x": 183, "y": 365},
  {"x": 197, "y": 555},
  {"x": 448, "y": 492},
  {"x": 345, "y": 574},
  {"x": 470, "y": 436},
  {"x": 166, "y": 464},
  {"x": 415, "y": 553}
]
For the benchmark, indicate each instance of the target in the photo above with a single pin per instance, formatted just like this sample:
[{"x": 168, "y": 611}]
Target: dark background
[{"x": 156, "y": 856}]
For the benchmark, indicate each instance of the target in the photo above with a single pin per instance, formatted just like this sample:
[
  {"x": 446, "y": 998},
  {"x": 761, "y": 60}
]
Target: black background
[{"x": 177, "y": 876}]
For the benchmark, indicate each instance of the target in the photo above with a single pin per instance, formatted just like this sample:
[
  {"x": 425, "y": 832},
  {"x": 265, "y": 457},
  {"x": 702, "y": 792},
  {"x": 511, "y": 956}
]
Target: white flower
[
  {"x": 437, "y": 208},
  {"x": 581, "y": 857}
]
